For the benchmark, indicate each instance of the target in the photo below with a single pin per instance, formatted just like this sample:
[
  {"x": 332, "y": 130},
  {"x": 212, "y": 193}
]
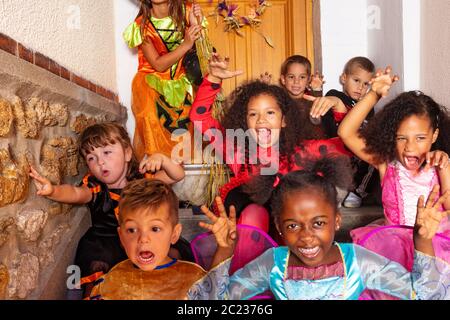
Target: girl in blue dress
[{"x": 312, "y": 266}]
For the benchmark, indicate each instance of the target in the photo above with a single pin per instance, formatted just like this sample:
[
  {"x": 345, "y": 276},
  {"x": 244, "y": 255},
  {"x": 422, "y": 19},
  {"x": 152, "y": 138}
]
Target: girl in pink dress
[{"x": 408, "y": 142}]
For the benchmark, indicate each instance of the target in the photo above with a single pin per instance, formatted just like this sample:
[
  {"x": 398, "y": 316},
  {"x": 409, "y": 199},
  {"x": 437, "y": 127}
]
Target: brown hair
[
  {"x": 103, "y": 134},
  {"x": 148, "y": 194},
  {"x": 296, "y": 59},
  {"x": 176, "y": 12},
  {"x": 361, "y": 62}
]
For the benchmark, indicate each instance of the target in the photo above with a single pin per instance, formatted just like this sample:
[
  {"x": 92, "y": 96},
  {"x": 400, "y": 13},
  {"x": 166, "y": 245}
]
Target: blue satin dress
[{"x": 363, "y": 269}]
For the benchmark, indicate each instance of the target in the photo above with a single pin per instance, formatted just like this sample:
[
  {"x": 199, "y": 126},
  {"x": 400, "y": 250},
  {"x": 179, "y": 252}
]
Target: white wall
[
  {"x": 411, "y": 44},
  {"x": 386, "y": 31},
  {"x": 435, "y": 45},
  {"x": 77, "y": 34},
  {"x": 385, "y": 41},
  {"x": 125, "y": 12},
  {"x": 344, "y": 36}
]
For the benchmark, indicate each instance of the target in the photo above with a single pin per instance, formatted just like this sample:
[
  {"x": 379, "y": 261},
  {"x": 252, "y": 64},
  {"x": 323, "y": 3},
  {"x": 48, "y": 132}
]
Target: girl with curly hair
[
  {"x": 408, "y": 142},
  {"x": 275, "y": 140}
]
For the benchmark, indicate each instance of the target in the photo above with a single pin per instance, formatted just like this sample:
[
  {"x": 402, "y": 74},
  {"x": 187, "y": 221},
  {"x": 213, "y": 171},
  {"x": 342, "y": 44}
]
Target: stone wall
[{"x": 41, "y": 115}]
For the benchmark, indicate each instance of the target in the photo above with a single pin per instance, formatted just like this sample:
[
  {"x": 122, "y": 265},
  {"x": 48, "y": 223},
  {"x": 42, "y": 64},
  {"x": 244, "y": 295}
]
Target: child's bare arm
[
  {"x": 440, "y": 160},
  {"x": 428, "y": 219},
  {"x": 65, "y": 193},
  {"x": 163, "y": 62},
  {"x": 224, "y": 230},
  {"x": 164, "y": 168},
  {"x": 348, "y": 130},
  {"x": 218, "y": 69}
]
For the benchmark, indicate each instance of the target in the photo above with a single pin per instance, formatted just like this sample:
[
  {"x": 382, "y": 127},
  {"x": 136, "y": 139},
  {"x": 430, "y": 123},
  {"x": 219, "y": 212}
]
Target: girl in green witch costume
[{"x": 164, "y": 31}]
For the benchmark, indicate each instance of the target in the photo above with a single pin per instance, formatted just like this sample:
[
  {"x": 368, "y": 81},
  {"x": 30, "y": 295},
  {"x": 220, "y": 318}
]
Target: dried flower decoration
[{"x": 234, "y": 22}]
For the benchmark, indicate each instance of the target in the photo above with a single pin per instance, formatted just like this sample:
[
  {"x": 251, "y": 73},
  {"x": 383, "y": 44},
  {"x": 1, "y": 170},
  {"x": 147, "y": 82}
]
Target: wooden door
[{"x": 287, "y": 22}]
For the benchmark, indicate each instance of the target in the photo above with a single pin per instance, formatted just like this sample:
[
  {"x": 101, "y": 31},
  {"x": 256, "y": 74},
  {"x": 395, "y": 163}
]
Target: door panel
[{"x": 287, "y": 22}]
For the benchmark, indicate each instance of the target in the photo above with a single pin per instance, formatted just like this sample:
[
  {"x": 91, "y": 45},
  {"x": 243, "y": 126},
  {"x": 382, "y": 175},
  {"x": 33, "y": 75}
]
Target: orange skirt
[{"x": 155, "y": 119}]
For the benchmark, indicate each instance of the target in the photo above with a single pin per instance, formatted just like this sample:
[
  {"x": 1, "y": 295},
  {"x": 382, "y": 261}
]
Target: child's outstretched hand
[
  {"x": 265, "y": 77},
  {"x": 428, "y": 215},
  {"x": 44, "y": 186},
  {"x": 383, "y": 81},
  {"x": 321, "y": 105},
  {"x": 438, "y": 159},
  {"x": 218, "y": 69},
  {"x": 152, "y": 164},
  {"x": 223, "y": 227},
  {"x": 317, "y": 82}
]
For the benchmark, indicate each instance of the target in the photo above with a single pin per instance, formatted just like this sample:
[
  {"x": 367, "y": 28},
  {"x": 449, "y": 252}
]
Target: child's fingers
[
  {"x": 442, "y": 199},
  {"x": 205, "y": 225},
  {"x": 388, "y": 70},
  {"x": 233, "y": 214},
  {"x": 221, "y": 207},
  {"x": 438, "y": 158},
  {"x": 309, "y": 98},
  {"x": 209, "y": 214},
  {"x": 420, "y": 202},
  {"x": 38, "y": 177},
  {"x": 142, "y": 167},
  {"x": 237, "y": 73},
  {"x": 444, "y": 161},
  {"x": 432, "y": 197},
  {"x": 422, "y": 232}
]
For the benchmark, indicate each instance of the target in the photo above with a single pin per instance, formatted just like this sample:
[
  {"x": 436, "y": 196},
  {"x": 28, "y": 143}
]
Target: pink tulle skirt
[
  {"x": 251, "y": 243},
  {"x": 395, "y": 242}
]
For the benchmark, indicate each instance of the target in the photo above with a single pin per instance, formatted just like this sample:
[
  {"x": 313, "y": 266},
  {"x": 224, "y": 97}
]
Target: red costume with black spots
[{"x": 249, "y": 213}]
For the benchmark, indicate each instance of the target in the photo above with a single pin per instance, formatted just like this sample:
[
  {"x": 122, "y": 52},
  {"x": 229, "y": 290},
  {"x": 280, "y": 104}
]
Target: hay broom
[{"x": 218, "y": 173}]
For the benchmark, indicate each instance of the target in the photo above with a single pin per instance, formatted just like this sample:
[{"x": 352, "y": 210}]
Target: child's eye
[
  {"x": 319, "y": 224},
  {"x": 156, "y": 229},
  {"x": 401, "y": 139},
  {"x": 252, "y": 114},
  {"x": 131, "y": 230},
  {"x": 271, "y": 112},
  {"x": 421, "y": 138},
  {"x": 107, "y": 152},
  {"x": 292, "y": 226}
]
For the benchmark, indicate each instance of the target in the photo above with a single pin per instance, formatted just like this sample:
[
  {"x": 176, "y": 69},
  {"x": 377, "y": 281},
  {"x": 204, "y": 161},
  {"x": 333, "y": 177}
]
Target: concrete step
[{"x": 351, "y": 218}]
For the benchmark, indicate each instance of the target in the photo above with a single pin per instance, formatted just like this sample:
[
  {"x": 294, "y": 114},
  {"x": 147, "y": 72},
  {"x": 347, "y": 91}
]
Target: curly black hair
[
  {"x": 291, "y": 135},
  {"x": 380, "y": 133},
  {"x": 319, "y": 174}
]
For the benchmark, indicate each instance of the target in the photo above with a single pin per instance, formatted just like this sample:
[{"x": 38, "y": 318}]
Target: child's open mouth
[
  {"x": 309, "y": 252},
  {"x": 105, "y": 173},
  {"x": 145, "y": 257},
  {"x": 412, "y": 162},
  {"x": 264, "y": 135}
]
